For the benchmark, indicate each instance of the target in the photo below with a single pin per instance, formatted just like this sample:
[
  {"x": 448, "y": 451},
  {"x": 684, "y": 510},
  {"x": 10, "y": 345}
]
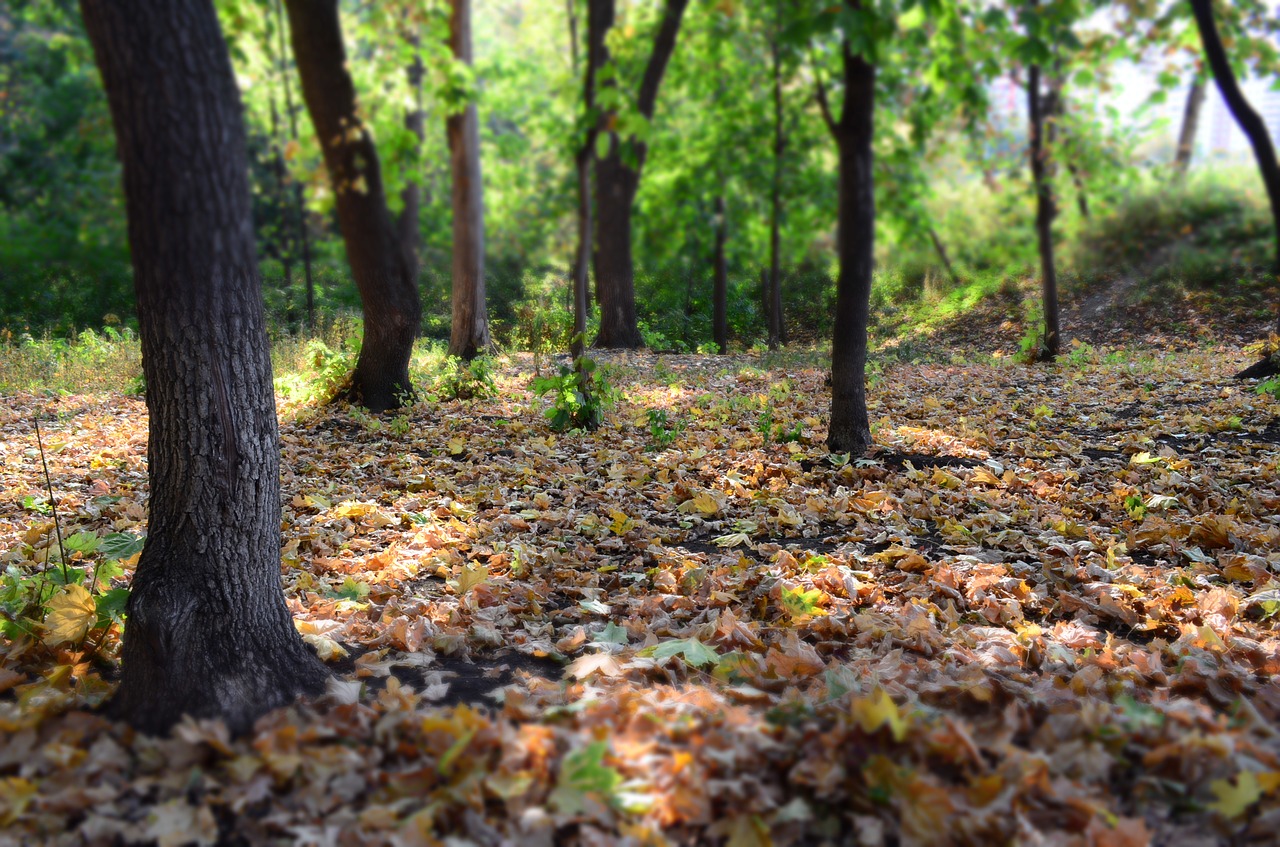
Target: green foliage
[
  {"x": 663, "y": 431},
  {"x": 579, "y": 396},
  {"x": 459, "y": 380},
  {"x": 333, "y": 367}
]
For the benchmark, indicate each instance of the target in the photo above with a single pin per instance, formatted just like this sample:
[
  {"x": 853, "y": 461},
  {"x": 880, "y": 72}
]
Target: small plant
[
  {"x": 1270, "y": 386},
  {"x": 333, "y": 367},
  {"x": 771, "y": 431},
  {"x": 764, "y": 424},
  {"x": 580, "y": 396},
  {"x": 461, "y": 380},
  {"x": 663, "y": 432}
]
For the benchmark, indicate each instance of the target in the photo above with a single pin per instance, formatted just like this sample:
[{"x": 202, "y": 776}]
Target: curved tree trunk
[
  {"x": 469, "y": 336},
  {"x": 850, "y": 429},
  {"x": 1046, "y": 211},
  {"x": 391, "y": 306},
  {"x": 1250, "y": 121},
  {"x": 618, "y": 177},
  {"x": 209, "y": 634},
  {"x": 720, "y": 286}
]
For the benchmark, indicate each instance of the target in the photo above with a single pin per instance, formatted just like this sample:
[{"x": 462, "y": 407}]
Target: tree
[
  {"x": 777, "y": 326},
  {"x": 850, "y": 428},
  {"x": 1250, "y": 121},
  {"x": 209, "y": 634},
  {"x": 720, "y": 285},
  {"x": 620, "y": 164},
  {"x": 1190, "y": 126},
  {"x": 386, "y": 282},
  {"x": 583, "y": 159},
  {"x": 469, "y": 336},
  {"x": 1046, "y": 211}
]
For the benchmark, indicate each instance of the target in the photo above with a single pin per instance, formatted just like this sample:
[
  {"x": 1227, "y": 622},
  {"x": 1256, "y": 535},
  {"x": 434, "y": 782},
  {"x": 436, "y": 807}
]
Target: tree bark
[
  {"x": 387, "y": 291},
  {"x": 720, "y": 285},
  {"x": 1251, "y": 123},
  {"x": 583, "y": 160},
  {"x": 209, "y": 634},
  {"x": 1190, "y": 128},
  {"x": 470, "y": 332},
  {"x": 777, "y": 325},
  {"x": 850, "y": 429},
  {"x": 618, "y": 176},
  {"x": 1046, "y": 211}
]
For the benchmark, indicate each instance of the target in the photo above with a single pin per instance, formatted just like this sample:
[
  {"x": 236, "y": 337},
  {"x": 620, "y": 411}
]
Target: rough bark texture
[
  {"x": 777, "y": 325},
  {"x": 1190, "y": 128},
  {"x": 1046, "y": 211},
  {"x": 850, "y": 429},
  {"x": 469, "y": 336},
  {"x": 209, "y": 634},
  {"x": 618, "y": 177},
  {"x": 386, "y": 284},
  {"x": 1251, "y": 123},
  {"x": 720, "y": 285}
]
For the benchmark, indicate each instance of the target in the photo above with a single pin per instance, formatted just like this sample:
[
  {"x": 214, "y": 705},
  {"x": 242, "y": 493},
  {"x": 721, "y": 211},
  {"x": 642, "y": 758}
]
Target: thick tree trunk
[
  {"x": 470, "y": 333},
  {"x": 1190, "y": 128},
  {"x": 777, "y": 324},
  {"x": 1046, "y": 211},
  {"x": 209, "y": 634},
  {"x": 1251, "y": 123},
  {"x": 617, "y": 177},
  {"x": 387, "y": 291},
  {"x": 720, "y": 285},
  {"x": 850, "y": 429}
]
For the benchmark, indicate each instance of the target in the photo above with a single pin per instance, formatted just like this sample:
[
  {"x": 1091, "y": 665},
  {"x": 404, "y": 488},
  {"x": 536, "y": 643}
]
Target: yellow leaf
[
  {"x": 326, "y": 648},
  {"x": 705, "y": 503},
  {"x": 879, "y": 710},
  {"x": 749, "y": 831},
  {"x": 456, "y": 446},
  {"x": 16, "y": 794},
  {"x": 590, "y": 663},
  {"x": 622, "y": 522},
  {"x": 71, "y": 613},
  {"x": 982, "y": 476},
  {"x": 471, "y": 576},
  {"x": 1233, "y": 800}
]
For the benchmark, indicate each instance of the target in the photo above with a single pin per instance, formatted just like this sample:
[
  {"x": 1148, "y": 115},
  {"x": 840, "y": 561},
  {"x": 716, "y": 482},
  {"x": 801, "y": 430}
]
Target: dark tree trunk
[
  {"x": 1190, "y": 128},
  {"x": 777, "y": 324},
  {"x": 583, "y": 161},
  {"x": 1046, "y": 211},
  {"x": 720, "y": 285},
  {"x": 1251, "y": 123},
  {"x": 618, "y": 176},
  {"x": 387, "y": 291},
  {"x": 850, "y": 429},
  {"x": 209, "y": 634},
  {"x": 299, "y": 203},
  {"x": 409, "y": 223},
  {"x": 470, "y": 333}
]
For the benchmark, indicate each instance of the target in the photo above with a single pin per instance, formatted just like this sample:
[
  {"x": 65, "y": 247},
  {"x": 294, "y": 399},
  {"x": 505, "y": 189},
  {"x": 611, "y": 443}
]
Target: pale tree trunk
[
  {"x": 1046, "y": 211},
  {"x": 617, "y": 178},
  {"x": 470, "y": 334},
  {"x": 209, "y": 634},
  {"x": 1190, "y": 128},
  {"x": 387, "y": 290},
  {"x": 850, "y": 429}
]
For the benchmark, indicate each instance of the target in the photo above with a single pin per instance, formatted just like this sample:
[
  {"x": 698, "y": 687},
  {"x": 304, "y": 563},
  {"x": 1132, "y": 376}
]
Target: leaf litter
[{"x": 1042, "y": 612}]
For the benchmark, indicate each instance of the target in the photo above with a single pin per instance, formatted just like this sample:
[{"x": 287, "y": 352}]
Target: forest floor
[{"x": 1043, "y": 611}]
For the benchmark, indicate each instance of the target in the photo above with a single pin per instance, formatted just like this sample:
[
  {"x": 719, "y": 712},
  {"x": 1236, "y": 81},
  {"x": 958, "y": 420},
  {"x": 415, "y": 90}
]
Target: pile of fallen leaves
[{"x": 1042, "y": 612}]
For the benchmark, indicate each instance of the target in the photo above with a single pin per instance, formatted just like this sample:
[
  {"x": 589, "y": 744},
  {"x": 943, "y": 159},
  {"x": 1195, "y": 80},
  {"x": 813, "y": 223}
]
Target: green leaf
[
  {"x": 82, "y": 542},
  {"x": 691, "y": 650},
  {"x": 611, "y": 634},
  {"x": 120, "y": 545},
  {"x": 111, "y": 605}
]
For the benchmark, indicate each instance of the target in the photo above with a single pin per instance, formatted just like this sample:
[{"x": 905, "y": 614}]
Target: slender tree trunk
[
  {"x": 582, "y": 161},
  {"x": 283, "y": 250},
  {"x": 618, "y": 177},
  {"x": 470, "y": 334},
  {"x": 941, "y": 250},
  {"x": 303, "y": 237},
  {"x": 1046, "y": 211},
  {"x": 720, "y": 285},
  {"x": 1251, "y": 123},
  {"x": 387, "y": 291},
  {"x": 777, "y": 324},
  {"x": 209, "y": 634},
  {"x": 409, "y": 223},
  {"x": 1190, "y": 128},
  {"x": 850, "y": 429}
]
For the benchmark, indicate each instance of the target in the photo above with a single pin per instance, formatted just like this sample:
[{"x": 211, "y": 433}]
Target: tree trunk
[
  {"x": 387, "y": 291},
  {"x": 1251, "y": 123},
  {"x": 1046, "y": 211},
  {"x": 582, "y": 162},
  {"x": 1190, "y": 128},
  {"x": 720, "y": 286},
  {"x": 209, "y": 634},
  {"x": 943, "y": 257},
  {"x": 618, "y": 176},
  {"x": 850, "y": 429},
  {"x": 409, "y": 224},
  {"x": 299, "y": 203},
  {"x": 777, "y": 331},
  {"x": 470, "y": 333}
]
